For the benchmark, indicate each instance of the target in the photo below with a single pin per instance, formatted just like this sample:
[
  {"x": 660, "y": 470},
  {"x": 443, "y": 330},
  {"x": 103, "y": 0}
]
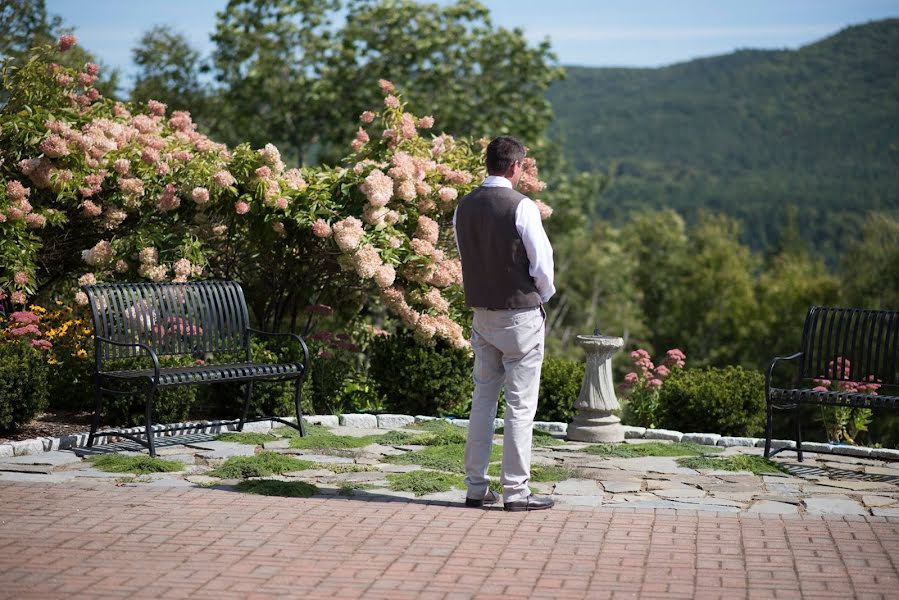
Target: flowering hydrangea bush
[
  {"x": 99, "y": 191},
  {"x": 642, "y": 385}
]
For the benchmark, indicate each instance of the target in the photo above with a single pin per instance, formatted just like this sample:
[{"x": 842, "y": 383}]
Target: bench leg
[
  {"x": 246, "y": 406},
  {"x": 797, "y": 415},
  {"x": 95, "y": 422},
  {"x": 148, "y": 426},
  {"x": 769, "y": 430},
  {"x": 297, "y": 401}
]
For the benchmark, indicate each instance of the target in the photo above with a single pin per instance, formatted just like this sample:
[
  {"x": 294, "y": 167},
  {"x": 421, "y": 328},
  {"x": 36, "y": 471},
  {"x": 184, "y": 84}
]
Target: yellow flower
[
  {"x": 38, "y": 310},
  {"x": 86, "y": 331},
  {"x": 51, "y": 360},
  {"x": 82, "y": 353}
]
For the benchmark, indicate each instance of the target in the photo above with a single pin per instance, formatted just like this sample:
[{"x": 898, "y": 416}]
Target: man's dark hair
[{"x": 501, "y": 153}]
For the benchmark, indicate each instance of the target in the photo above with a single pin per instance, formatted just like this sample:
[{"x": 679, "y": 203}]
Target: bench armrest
[
  {"x": 770, "y": 369},
  {"x": 251, "y": 332},
  {"x": 143, "y": 347}
]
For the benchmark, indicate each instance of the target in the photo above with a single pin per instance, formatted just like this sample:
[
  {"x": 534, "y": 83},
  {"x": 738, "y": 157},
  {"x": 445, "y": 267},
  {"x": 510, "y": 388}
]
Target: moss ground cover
[
  {"x": 424, "y": 482},
  {"x": 449, "y": 457},
  {"x": 739, "y": 462},
  {"x": 273, "y": 487},
  {"x": 140, "y": 465},
  {"x": 650, "y": 449},
  {"x": 254, "y": 439},
  {"x": 260, "y": 465}
]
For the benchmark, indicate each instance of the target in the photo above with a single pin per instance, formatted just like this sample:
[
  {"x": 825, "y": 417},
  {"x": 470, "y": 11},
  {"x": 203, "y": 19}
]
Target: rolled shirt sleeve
[{"x": 539, "y": 250}]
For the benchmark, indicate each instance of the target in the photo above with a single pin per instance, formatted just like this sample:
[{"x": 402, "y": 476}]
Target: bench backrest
[
  {"x": 851, "y": 344},
  {"x": 171, "y": 318}
]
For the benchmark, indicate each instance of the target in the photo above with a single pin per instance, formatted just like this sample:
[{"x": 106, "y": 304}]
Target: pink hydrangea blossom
[
  {"x": 392, "y": 102},
  {"x": 294, "y": 180},
  {"x": 378, "y": 188},
  {"x": 87, "y": 279},
  {"x": 385, "y": 276},
  {"x": 35, "y": 221},
  {"x": 224, "y": 179},
  {"x": 386, "y": 86},
  {"x": 367, "y": 117},
  {"x": 654, "y": 383},
  {"x": 121, "y": 266},
  {"x": 91, "y": 69},
  {"x": 157, "y": 109},
  {"x": 17, "y": 297},
  {"x": 321, "y": 229},
  {"x": 427, "y": 229},
  {"x": 263, "y": 172},
  {"x": 54, "y": 147},
  {"x": 631, "y": 378},
  {"x": 16, "y": 191},
  {"x": 148, "y": 256},
  {"x": 426, "y": 122},
  {"x": 100, "y": 254},
  {"x": 407, "y": 126},
  {"x": 348, "y": 233},
  {"x": 545, "y": 211},
  {"x": 241, "y": 207},
  {"x": 89, "y": 209},
  {"x": 366, "y": 261},
  {"x": 21, "y": 278},
  {"x": 448, "y": 194},
  {"x": 65, "y": 42},
  {"x": 200, "y": 195}
]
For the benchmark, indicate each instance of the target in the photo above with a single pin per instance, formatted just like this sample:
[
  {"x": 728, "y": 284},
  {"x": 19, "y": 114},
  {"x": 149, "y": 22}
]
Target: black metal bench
[
  {"x": 149, "y": 320},
  {"x": 839, "y": 345}
]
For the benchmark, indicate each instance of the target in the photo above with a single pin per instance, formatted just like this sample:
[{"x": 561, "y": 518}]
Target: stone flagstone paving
[{"x": 623, "y": 528}]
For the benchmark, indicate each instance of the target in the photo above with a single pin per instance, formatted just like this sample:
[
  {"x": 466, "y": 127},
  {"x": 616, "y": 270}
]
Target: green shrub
[
  {"x": 172, "y": 404},
  {"x": 728, "y": 401},
  {"x": 641, "y": 408},
  {"x": 225, "y": 401},
  {"x": 23, "y": 384},
  {"x": 421, "y": 380},
  {"x": 560, "y": 383}
]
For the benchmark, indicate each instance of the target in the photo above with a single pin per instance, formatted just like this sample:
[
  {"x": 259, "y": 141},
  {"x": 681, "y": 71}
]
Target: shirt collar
[{"x": 497, "y": 181}]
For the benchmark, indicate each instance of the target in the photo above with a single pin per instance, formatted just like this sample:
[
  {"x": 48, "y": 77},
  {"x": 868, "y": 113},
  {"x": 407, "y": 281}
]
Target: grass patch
[
  {"x": 738, "y": 462},
  {"x": 424, "y": 482},
  {"x": 539, "y": 473},
  {"x": 320, "y": 438},
  {"x": 651, "y": 449},
  {"x": 450, "y": 457},
  {"x": 140, "y": 465},
  {"x": 350, "y": 489},
  {"x": 273, "y": 487},
  {"x": 260, "y": 465},
  {"x": 540, "y": 439},
  {"x": 346, "y": 467},
  {"x": 253, "y": 439}
]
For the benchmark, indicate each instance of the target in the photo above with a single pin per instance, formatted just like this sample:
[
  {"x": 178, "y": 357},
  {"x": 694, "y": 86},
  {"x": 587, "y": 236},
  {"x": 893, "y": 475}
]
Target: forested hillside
[{"x": 747, "y": 134}]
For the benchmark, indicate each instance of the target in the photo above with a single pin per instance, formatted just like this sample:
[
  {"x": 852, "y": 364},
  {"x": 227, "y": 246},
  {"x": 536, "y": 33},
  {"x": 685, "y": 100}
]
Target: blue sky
[{"x": 645, "y": 33}]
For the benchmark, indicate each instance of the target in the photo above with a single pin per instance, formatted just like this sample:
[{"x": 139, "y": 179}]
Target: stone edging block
[{"x": 370, "y": 421}]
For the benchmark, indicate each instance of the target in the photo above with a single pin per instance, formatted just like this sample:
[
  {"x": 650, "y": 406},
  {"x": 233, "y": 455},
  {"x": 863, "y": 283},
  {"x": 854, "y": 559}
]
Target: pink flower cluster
[
  {"x": 650, "y": 375},
  {"x": 26, "y": 325},
  {"x": 840, "y": 369}
]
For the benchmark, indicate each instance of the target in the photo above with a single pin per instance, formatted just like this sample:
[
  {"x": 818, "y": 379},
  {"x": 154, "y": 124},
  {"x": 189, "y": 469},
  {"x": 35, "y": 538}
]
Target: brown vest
[{"x": 494, "y": 260}]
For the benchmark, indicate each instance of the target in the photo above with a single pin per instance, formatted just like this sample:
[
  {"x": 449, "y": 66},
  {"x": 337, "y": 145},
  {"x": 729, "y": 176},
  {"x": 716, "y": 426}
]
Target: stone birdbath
[{"x": 594, "y": 421}]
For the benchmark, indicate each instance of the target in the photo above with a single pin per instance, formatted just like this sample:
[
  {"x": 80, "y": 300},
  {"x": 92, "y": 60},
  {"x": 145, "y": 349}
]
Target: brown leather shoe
[
  {"x": 532, "y": 502},
  {"x": 489, "y": 498}
]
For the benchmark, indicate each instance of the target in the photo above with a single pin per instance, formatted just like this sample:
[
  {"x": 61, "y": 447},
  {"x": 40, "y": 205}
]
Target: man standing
[{"x": 507, "y": 272}]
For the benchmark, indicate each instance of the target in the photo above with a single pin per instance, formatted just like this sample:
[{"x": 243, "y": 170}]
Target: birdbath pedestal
[{"x": 594, "y": 421}]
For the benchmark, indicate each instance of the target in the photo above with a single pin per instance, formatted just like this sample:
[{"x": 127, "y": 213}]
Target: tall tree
[
  {"x": 290, "y": 75},
  {"x": 870, "y": 268},
  {"x": 169, "y": 70}
]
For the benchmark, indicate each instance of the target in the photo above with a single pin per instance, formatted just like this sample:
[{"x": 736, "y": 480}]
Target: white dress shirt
[{"x": 536, "y": 244}]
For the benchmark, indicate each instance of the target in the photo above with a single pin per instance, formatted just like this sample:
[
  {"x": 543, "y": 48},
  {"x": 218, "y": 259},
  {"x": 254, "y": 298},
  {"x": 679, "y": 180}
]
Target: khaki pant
[{"x": 508, "y": 350}]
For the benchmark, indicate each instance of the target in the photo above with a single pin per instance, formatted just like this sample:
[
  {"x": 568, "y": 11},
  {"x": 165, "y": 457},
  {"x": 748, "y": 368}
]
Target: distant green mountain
[{"x": 747, "y": 133}]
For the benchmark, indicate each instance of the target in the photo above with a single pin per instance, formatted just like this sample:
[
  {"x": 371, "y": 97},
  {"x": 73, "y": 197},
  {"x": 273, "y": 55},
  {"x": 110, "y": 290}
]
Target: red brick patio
[{"x": 100, "y": 541}]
